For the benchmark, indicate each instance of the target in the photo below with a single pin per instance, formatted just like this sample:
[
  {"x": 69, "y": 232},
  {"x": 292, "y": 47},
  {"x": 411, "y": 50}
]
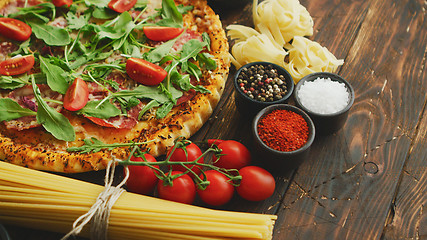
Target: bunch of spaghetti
[{"x": 45, "y": 201}]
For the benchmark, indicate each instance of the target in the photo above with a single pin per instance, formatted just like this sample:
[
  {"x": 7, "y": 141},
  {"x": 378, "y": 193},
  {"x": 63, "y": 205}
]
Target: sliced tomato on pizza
[
  {"x": 14, "y": 29},
  {"x": 17, "y": 65}
]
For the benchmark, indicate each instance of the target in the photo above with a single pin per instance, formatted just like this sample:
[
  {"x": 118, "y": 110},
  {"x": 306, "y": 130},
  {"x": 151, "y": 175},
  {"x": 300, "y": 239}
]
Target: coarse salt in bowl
[{"x": 327, "y": 98}]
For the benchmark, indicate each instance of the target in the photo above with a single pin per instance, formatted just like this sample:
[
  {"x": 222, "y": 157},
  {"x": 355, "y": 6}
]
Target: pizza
[{"x": 105, "y": 72}]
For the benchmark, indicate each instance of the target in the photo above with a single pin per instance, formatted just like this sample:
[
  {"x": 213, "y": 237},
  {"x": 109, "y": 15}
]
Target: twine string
[{"x": 99, "y": 213}]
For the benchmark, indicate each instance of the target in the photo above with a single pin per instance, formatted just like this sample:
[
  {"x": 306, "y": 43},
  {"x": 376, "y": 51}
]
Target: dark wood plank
[
  {"x": 345, "y": 190},
  {"x": 408, "y": 216}
]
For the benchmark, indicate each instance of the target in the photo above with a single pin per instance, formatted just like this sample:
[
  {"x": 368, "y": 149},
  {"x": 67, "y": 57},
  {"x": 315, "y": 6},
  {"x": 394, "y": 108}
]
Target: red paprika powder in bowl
[{"x": 282, "y": 135}]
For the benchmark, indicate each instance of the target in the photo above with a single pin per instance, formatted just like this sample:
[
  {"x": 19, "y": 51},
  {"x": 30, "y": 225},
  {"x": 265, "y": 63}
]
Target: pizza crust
[
  {"x": 34, "y": 148},
  {"x": 3, "y": 3}
]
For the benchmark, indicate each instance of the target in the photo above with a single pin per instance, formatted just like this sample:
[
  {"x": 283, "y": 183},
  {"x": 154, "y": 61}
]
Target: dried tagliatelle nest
[{"x": 281, "y": 27}]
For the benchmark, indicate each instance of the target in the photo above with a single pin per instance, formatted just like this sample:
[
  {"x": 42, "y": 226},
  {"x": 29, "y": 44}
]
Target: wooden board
[{"x": 349, "y": 186}]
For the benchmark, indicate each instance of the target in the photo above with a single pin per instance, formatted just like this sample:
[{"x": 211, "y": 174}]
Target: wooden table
[{"x": 368, "y": 180}]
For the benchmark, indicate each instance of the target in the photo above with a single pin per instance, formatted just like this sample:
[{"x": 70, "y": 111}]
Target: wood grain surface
[{"x": 368, "y": 180}]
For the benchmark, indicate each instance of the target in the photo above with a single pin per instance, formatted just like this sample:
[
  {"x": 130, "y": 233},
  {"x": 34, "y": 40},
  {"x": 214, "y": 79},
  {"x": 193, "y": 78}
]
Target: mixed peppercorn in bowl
[{"x": 261, "y": 84}]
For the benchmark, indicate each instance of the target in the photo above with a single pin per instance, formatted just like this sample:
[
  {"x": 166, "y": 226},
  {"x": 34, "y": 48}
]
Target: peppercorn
[{"x": 262, "y": 83}]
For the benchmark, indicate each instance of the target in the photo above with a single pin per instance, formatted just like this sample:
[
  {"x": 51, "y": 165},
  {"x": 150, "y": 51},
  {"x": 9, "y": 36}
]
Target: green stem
[
  {"x": 53, "y": 101},
  {"x": 200, "y": 183}
]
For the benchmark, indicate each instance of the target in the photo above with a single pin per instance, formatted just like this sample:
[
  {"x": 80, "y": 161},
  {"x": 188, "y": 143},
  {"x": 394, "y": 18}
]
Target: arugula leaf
[
  {"x": 101, "y": 71},
  {"x": 78, "y": 62},
  {"x": 53, "y": 121},
  {"x": 190, "y": 49},
  {"x": 97, "y": 3},
  {"x": 77, "y": 22},
  {"x": 60, "y": 62},
  {"x": 170, "y": 14},
  {"x": 163, "y": 110},
  {"x": 55, "y": 75},
  {"x": 131, "y": 49},
  {"x": 104, "y": 13},
  {"x": 205, "y": 61},
  {"x": 36, "y": 11},
  {"x": 117, "y": 30},
  {"x": 104, "y": 111},
  {"x": 122, "y": 41},
  {"x": 184, "y": 9},
  {"x": 132, "y": 102},
  {"x": 117, "y": 27},
  {"x": 52, "y": 36},
  {"x": 147, "y": 92},
  {"x": 14, "y": 82},
  {"x": 10, "y": 110},
  {"x": 98, "y": 55},
  {"x": 161, "y": 51},
  {"x": 91, "y": 145},
  {"x": 141, "y": 4},
  {"x": 183, "y": 81},
  {"x": 9, "y": 82},
  {"x": 148, "y": 106},
  {"x": 23, "y": 48},
  {"x": 194, "y": 70},
  {"x": 207, "y": 40}
]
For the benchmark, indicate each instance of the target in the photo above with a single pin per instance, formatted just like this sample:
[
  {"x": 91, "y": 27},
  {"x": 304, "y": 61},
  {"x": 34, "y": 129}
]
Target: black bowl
[
  {"x": 326, "y": 123},
  {"x": 275, "y": 160},
  {"x": 250, "y": 106},
  {"x": 3, "y": 233},
  {"x": 227, "y": 4}
]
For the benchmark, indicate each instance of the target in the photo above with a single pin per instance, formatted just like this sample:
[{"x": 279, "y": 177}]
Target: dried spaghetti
[{"x": 41, "y": 200}]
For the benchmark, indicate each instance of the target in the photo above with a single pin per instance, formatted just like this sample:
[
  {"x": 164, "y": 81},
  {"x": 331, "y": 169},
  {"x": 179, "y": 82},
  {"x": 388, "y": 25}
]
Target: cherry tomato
[
  {"x": 145, "y": 72},
  {"x": 77, "y": 95},
  {"x": 183, "y": 189},
  {"x": 142, "y": 179},
  {"x": 211, "y": 142},
  {"x": 16, "y": 65},
  {"x": 121, "y": 5},
  {"x": 159, "y": 33},
  {"x": 14, "y": 29},
  {"x": 219, "y": 191},
  {"x": 119, "y": 122},
  {"x": 60, "y": 3},
  {"x": 188, "y": 154},
  {"x": 232, "y": 155},
  {"x": 257, "y": 184}
]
